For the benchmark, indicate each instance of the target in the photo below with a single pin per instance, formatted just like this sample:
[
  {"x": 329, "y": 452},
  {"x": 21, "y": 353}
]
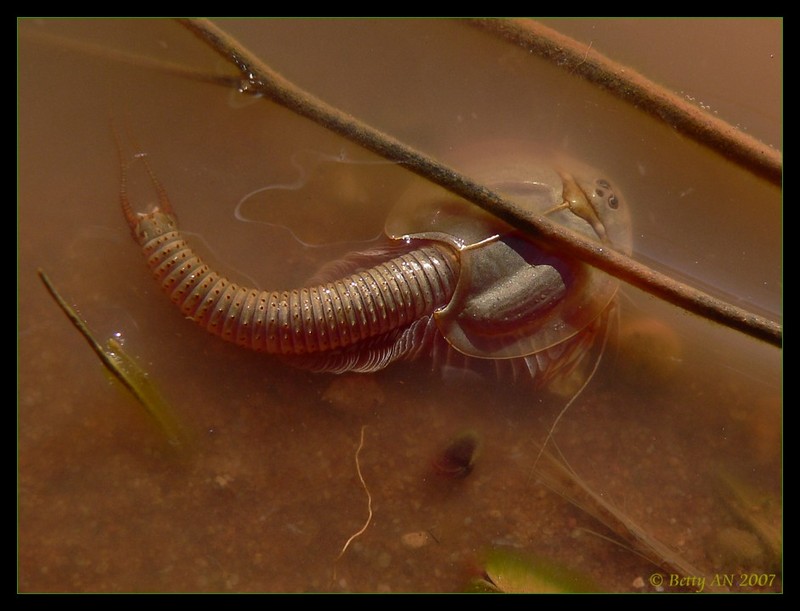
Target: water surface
[{"x": 267, "y": 493}]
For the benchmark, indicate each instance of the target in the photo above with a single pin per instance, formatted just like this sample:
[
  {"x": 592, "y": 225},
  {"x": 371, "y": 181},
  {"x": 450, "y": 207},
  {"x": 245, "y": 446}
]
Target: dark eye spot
[
  {"x": 599, "y": 192},
  {"x": 613, "y": 202},
  {"x": 603, "y": 183}
]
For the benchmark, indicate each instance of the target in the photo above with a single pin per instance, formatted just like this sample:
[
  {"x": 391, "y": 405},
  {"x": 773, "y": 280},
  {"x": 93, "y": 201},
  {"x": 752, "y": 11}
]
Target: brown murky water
[{"x": 267, "y": 493}]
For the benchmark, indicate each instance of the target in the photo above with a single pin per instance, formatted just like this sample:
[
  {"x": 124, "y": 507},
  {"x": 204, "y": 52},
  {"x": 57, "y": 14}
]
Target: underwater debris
[
  {"x": 750, "y": 507},
  {"x": 366, "y": 524},
  {"x": 458, "y": 457},
  {"x": 124, "y": 369},
  {"x": 511, "y": 572},
  {"x": 554, "y": 472}
]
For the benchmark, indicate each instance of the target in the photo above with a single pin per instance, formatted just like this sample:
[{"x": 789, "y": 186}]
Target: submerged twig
[
  {"x": 641, "y": 92},
  {"x": 265, "y": 81},
  {"x": 123, "y": 368}
]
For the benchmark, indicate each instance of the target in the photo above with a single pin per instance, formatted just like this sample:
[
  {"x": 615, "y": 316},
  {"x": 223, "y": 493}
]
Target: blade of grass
[
  {"x": 556, "y": 474},
  {"x": 125, "y": 369}
]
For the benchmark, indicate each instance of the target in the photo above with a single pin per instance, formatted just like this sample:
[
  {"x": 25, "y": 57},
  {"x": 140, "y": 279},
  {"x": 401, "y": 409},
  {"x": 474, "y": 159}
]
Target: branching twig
[{"x": 275, "y": 87}]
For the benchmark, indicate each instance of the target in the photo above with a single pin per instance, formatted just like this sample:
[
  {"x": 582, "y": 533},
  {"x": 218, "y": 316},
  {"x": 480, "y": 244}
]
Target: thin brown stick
[
  {"x": 641, "y": 92},
  {"x": 275, "y": 87}
]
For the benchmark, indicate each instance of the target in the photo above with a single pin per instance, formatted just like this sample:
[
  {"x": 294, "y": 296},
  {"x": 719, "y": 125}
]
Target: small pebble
[{"x": 415, "y": 540}]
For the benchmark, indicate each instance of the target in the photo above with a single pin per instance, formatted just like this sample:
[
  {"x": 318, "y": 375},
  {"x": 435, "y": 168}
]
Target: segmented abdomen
[{"x": 307, "y": 321}]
